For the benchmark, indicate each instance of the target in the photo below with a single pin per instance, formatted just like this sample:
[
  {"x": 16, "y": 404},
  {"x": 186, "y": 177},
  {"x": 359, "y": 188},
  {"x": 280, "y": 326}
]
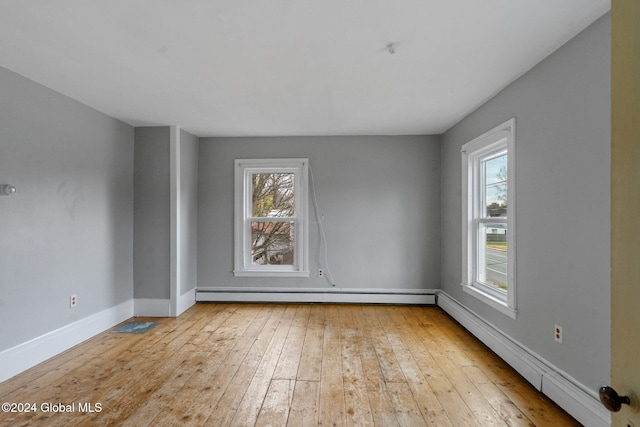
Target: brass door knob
[{"x": 611, "y": 399}]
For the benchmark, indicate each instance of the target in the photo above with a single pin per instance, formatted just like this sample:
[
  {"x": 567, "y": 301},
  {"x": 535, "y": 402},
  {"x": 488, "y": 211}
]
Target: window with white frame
[
  {"x": 271, "y": 210},
  {"x": 488, "y": 270}
]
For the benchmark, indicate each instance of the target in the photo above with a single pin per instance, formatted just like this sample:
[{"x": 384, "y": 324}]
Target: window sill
[
  {"x": 490, "y": 300},
  {"x": 270, "y": 273}
]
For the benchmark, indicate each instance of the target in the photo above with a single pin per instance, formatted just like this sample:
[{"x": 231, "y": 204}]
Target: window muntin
[
  {"x": 271, "y": 217},
  {"x": 488, "y": 217}
]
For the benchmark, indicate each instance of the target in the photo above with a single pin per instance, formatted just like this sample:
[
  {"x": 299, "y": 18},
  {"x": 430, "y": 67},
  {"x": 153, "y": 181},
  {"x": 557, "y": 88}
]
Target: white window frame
[
  {"x": 500, "y": 139},
  {"x": 244, "y": 168}
]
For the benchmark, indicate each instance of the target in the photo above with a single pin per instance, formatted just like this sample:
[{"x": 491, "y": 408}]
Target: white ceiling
[{"x": 286, "y": 67}]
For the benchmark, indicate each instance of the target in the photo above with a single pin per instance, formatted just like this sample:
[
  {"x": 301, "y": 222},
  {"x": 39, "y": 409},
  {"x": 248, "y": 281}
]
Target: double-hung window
[
  {"x": 271, "y": 209},
  {"x": 488, "y": 270}
]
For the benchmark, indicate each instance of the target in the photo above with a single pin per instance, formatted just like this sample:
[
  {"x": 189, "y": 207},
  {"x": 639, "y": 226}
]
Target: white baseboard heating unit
[{"x": 317, "y": 295}]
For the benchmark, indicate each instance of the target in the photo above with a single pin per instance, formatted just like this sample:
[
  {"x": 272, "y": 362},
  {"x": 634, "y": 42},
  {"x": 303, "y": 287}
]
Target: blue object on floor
[{"x": 135, "y": 327}]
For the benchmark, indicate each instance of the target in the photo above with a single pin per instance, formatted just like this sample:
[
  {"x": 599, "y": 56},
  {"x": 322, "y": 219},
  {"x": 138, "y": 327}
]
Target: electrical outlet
[
  {"x": 73, "y": 300},
  {"x": 320, "y": 272},
  {"x": 557, "y": 333}
]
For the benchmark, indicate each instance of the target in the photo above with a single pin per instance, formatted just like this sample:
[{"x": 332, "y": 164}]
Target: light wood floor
[{"x": 284, "y": 364}]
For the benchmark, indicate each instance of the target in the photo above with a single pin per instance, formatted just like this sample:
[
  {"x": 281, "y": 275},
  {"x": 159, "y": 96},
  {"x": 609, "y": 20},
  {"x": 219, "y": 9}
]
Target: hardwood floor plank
[
  {"x": 423, "y": 343},
  {"x": 124, "y": 400},
  {"x": 537, "y": 408},
  {"x": 225, "y": 338},
  {"x": 507, "y": 410},
  {"x": 291, "y": 354},
  {"x": 284, "y": 364},
  {"x": 164, "y": 397},
  {"x": 356, "y": 398},
  {"x": 386, "y": 357},
  {"x": 223, "y": 412},
  {"x": 203, "y": 404},
  {"x": 310, "y": 366},
  {"x": 407, "y": 412},
  {"x": 458, "y": 347},
  {"x": 108, "y": 346},
  {"x": 305, "y": 404},
  {"x": 380, "y": 400},
  {"x": 426, "y": 399},
  {"x": 332, "y": 411},
  {"x": 114, "y": 384},
  {"x": 275, "y": 407},
  {"x": 256, "y": 392}
]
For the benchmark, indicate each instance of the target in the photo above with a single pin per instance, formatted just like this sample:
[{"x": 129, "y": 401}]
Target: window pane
[
  {"x": 495, "y": 186},
  {"x": 272, "y": 195},
  {"x": 492, "y": 255},
  {"x": 272, "y": 243}
]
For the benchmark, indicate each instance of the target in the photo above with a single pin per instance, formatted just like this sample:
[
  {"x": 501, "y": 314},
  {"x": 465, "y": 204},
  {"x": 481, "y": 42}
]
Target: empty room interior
[{"x": 417, "y": 190}]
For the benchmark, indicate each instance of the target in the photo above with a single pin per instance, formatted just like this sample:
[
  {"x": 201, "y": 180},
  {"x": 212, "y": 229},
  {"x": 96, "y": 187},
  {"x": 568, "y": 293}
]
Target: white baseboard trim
[
  {"x": 185, "y": 301},
  {"x": 582, "y": 403},
  {"x": 315, "y": 295},
  {"x": 151, "y": 307},
  {"x": 28, "y": 354},
  {"x": 571, "y": 397}
]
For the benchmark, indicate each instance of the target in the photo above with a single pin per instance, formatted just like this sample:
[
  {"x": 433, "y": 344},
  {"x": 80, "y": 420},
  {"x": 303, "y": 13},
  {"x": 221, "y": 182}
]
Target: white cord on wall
[{"x": 323, "y": 238}]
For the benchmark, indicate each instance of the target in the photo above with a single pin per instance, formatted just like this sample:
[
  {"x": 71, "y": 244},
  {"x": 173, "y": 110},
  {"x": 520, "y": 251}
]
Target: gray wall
[
  {"x": 379, "y": 196},
  {"x": 562, "y": 108},
  {"x": 69, "y": 229},
  {"x": 188, "y": 211},
  {"x": 152, "y": 213},
  {"x": 152, "y": 221}
]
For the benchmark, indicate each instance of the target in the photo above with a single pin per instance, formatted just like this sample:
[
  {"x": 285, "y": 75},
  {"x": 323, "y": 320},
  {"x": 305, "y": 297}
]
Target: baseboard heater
[{"x": 354, "y": 296}]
